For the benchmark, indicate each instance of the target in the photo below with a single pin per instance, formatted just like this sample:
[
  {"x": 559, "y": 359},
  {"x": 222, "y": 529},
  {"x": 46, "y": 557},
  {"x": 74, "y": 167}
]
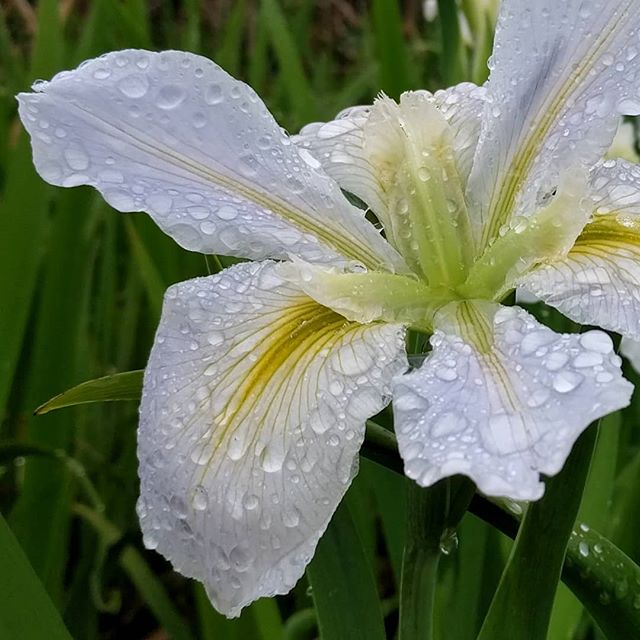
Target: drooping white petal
[
  {"x": 561, "y": 74},
  {"x": 599, "y": 280},
  {"x": 172, "y": 134},
  {"x": 502, "y": 398},
  {"x": 253, "y": 411},
  {"x": 340, "y": 144}
]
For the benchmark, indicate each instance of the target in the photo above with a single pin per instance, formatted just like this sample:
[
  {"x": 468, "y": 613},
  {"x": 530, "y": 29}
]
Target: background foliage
[{"x": 81, "y": 291}]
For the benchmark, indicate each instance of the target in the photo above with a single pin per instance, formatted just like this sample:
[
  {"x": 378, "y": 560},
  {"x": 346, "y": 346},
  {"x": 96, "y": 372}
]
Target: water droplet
[
  {"x": 201, "y": 454},
  {"x": 250, "y": 502},
  {"x": 587, "y": 359},
  {"x": 629, "y": 107},
  {"x": 597, "y": 341},
  {"x": 448, "y": 423},
  {"x": 134, "y": 86},
  {"x": 556, "y": 360},
  {"x": 200, "y": 498},
  {"x": 583, "y": 549},
  {"x": 448, "y": 542},
  {"x": 448, "y": 374},
  {"x": 170, "y": 96},
  {"x": 240, "y": 559},
  {"x": 336, "y": 387},
  {"x": 272, "y": 458},
  {"x": 227, "y": 212},
  {"x": 102, "y": 73},
  {"x": 159, "y": 203},
  {"x": 213, "y": 94},
  {"x": 410, "y": 402},
  {"x": 149, "y": 541},
  {"x": 333, "y": 440},
  {"x": 120, "y": 200},
  {"x": 291, "y": 517},
  {"x": 538, "y": 397},
  {"x": 76, "y": 157},
  {"x": 215, "y": 338},
  {"x": 567, "y": 381},
  {"x": 199, "y": 120}
]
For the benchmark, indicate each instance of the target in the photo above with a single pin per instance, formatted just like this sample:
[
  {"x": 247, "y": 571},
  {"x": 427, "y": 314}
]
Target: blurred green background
[{"x": 80, "y": 295}]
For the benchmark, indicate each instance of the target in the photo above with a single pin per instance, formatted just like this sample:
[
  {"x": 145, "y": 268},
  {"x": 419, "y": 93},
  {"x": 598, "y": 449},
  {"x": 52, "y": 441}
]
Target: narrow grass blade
[
  {"x": 153, "y": 283},
  {"x": 344, "y": 591},
  {"x": 452, "y": 62},
  {"x": 23, "y": 211},
  {"x": 293, "y": 76},
  {"x": 228, "y": 54},
  {"x": 25, "y": 608},
  {"x": 391, "y": 48}
]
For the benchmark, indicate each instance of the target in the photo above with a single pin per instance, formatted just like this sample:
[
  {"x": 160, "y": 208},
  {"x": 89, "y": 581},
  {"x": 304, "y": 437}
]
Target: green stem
[
  {"x": 420, "y": 561},
  {"x": 433, "y": 514}
]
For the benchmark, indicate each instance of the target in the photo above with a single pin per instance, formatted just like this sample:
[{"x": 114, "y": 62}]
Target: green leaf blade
[
  {"x": 119, "y": 386},
  {"x": 344, "y": 590},
  {"x": 26, "y": 611}
]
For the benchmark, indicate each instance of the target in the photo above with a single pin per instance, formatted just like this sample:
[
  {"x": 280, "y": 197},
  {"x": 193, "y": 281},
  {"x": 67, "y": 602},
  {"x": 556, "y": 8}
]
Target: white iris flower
[{"x": 261, "y": 377}]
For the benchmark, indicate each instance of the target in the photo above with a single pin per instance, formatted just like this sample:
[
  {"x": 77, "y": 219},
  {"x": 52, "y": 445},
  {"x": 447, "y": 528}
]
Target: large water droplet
[
  {"x": 134, "y": 86},
  {"x": 76, "y": 157},
  {"x": 567, "y": 381},
  {"x": 213, "y": 94},
  {"x": 170, "y": 96},
  {"x": 200, "y": 498}
]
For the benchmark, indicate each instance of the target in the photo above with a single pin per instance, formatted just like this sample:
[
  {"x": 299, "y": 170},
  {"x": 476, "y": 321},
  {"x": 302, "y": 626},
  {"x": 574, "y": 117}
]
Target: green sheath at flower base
[{"x": 261, "y": 378}]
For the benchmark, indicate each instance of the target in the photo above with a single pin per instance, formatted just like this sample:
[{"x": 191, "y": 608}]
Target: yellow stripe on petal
[
  {"x": 172, "y": 134},
  {"x": 501, "y": 398},
  {"x": 599, "y": 281},
  {"x": 560, "y": 75},
  {"x": 253, "y": 412}
]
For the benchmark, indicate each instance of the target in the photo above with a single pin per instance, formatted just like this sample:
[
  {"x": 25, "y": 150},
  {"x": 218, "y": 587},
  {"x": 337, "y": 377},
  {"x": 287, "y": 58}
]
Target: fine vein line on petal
[
  {"x": 506, "y": 194},
  {"x": 350, "y": 247}
]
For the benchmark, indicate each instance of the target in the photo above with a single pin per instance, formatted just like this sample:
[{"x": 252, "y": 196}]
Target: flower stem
[{"x": 433, "y": 514}]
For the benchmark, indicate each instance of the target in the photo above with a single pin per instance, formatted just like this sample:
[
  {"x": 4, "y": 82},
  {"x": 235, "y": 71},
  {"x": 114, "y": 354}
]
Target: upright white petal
[
  {"x": 561, "y": 74},
  {"x": 172, "y": 134},
  {"x": 502, "y": 398},
  {"x": 340, "y": 144},
  {"x": 599, "y": 280},
  {"x": 253, "y": 411}
]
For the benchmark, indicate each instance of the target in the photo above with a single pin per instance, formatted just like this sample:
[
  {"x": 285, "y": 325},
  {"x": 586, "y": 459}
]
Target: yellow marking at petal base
[
  {"x": 476, "y": 328},
  {"x": 302, "y": 332},
  {"x": 332, "y": 236},
  {"x": 505, "y": 197},
  {"x": 608, "y": 233}
]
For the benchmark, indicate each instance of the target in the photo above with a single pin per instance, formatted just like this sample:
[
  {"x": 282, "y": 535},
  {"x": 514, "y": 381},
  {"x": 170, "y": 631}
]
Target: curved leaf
[{"x": 119, "y": 386}]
